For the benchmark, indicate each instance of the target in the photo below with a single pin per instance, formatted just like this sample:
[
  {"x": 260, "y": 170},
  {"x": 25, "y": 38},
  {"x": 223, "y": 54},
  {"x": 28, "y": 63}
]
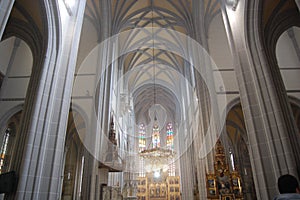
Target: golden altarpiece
[
  {"x": 223, "y": 184},
  {"x": 158, "y": 188},
  {"x": 158, "y": 182}
]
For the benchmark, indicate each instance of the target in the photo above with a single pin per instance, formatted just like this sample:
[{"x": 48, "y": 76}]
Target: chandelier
[{"x": 156, "y": 158}]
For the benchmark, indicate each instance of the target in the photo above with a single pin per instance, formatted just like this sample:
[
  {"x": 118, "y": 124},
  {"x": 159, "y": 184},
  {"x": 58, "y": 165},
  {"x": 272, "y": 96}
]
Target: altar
[
  {"x": 222, "y": 183},
  {"x": 157, "y": 178},
  {"x": 159, "y": 188}
]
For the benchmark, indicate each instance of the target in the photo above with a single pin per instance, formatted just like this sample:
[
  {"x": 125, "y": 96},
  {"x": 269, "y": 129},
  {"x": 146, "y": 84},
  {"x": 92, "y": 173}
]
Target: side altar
[{"x": 222, "y": 183}]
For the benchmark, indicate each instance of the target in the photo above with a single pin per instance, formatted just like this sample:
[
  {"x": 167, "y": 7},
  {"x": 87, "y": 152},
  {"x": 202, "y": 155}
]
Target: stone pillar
[
  {"x": 103, "y": 175},
  {"x": 5, "y": 9},
  {"x": 298, "y": 4},
  {"x": 265, "y": 110},
  {"x": 186, "y": 178},
  {"x": 100, "y": 124},
  {"x": 102, "y": 179},
  {"x": 208, "y": 126},
  {"x": 46, "y": 109}
]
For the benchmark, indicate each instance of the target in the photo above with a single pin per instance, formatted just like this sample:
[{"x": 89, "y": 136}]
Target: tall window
[
  {"x": 142, "y": 138},
  {"x": 142, "y": 147},
  {"x": 170, "y": 136},
  {"x": 231, "y": 159},
  {"x": 155, "y": 137},
  {"x": 170, "y": 145},
  {"x": 3, "y": 151}
]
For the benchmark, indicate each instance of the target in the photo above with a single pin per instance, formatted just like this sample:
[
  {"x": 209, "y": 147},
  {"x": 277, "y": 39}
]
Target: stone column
[
  {"x": 298, "y": 4},
  {"x": 100, "y": 125},
  {"x": 184, "y": 157},
  {"x": 103, "y": 180},
  {"x": 208, "y": 126},
  {"x": 5, "y": 9},
  {"x": 103, "y": 175},
  {"x": 265, "y": 110},
  {"x": 47, "y": 107}
]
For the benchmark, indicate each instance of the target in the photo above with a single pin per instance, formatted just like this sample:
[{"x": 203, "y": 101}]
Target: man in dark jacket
[{"x": 288, "y": 188}]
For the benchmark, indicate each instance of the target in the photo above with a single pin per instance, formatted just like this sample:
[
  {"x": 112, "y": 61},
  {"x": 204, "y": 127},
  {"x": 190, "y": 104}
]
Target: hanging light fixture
[
  {"x": 156, "y": 158},
  {"x": 154, "y": 67}
]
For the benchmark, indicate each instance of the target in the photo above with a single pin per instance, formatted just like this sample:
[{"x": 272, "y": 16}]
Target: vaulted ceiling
[
  {"x": 106, "y": 18},
  {"x": 149, "y": 68}
]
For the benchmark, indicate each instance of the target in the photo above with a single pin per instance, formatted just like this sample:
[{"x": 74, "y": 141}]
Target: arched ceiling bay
[
  {"x": 131, "y": 14},
  {"x": 235, "y": 124},
  {"x": 149, "y": 95},
  {"x": 116, "y": 16},
  {"x": 274, "y": 8},
  {"x": 28, "y": 22},
  {"x": 29, "y": 12},
  {"x": 277, "y": 16}
]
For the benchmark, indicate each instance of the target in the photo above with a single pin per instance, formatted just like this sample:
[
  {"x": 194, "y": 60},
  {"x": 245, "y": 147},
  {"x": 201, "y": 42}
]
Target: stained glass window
[
  {"x": 142, "y": 147},
  {"x": 142, "y": 138},
  {"x": 170, "y": 145},
  {"x": 3, "y": 150},
  {"x": 170, "y": 136},
  {"x": 155, "y": 137}
]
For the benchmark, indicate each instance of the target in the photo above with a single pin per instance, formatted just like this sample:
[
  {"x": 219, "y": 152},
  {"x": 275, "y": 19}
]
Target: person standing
[{"x": 288, "y": 187}]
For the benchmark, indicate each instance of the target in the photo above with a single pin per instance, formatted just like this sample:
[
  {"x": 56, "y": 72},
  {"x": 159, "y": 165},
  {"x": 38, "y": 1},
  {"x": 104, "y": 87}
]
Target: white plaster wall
[
  {"x": 229, "y": 81},
  {"x": 218, "y": 44},
  {"x": 22, "y": 63},
  {"x": 5, "y": 50},
  {"x": 15, "y": 84},
  {"x": 289, "y": 62},
  {"x": 285, "y": 51},
  {"x": 85, "y": 83},
  {"x": 219, "y": 50},
  {"x": 18, "y": 74},
  {"x": 88, "y": 39}
]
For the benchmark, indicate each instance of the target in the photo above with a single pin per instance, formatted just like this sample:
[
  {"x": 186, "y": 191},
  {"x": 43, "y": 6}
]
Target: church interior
[{"x": 148, "y": 99}]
